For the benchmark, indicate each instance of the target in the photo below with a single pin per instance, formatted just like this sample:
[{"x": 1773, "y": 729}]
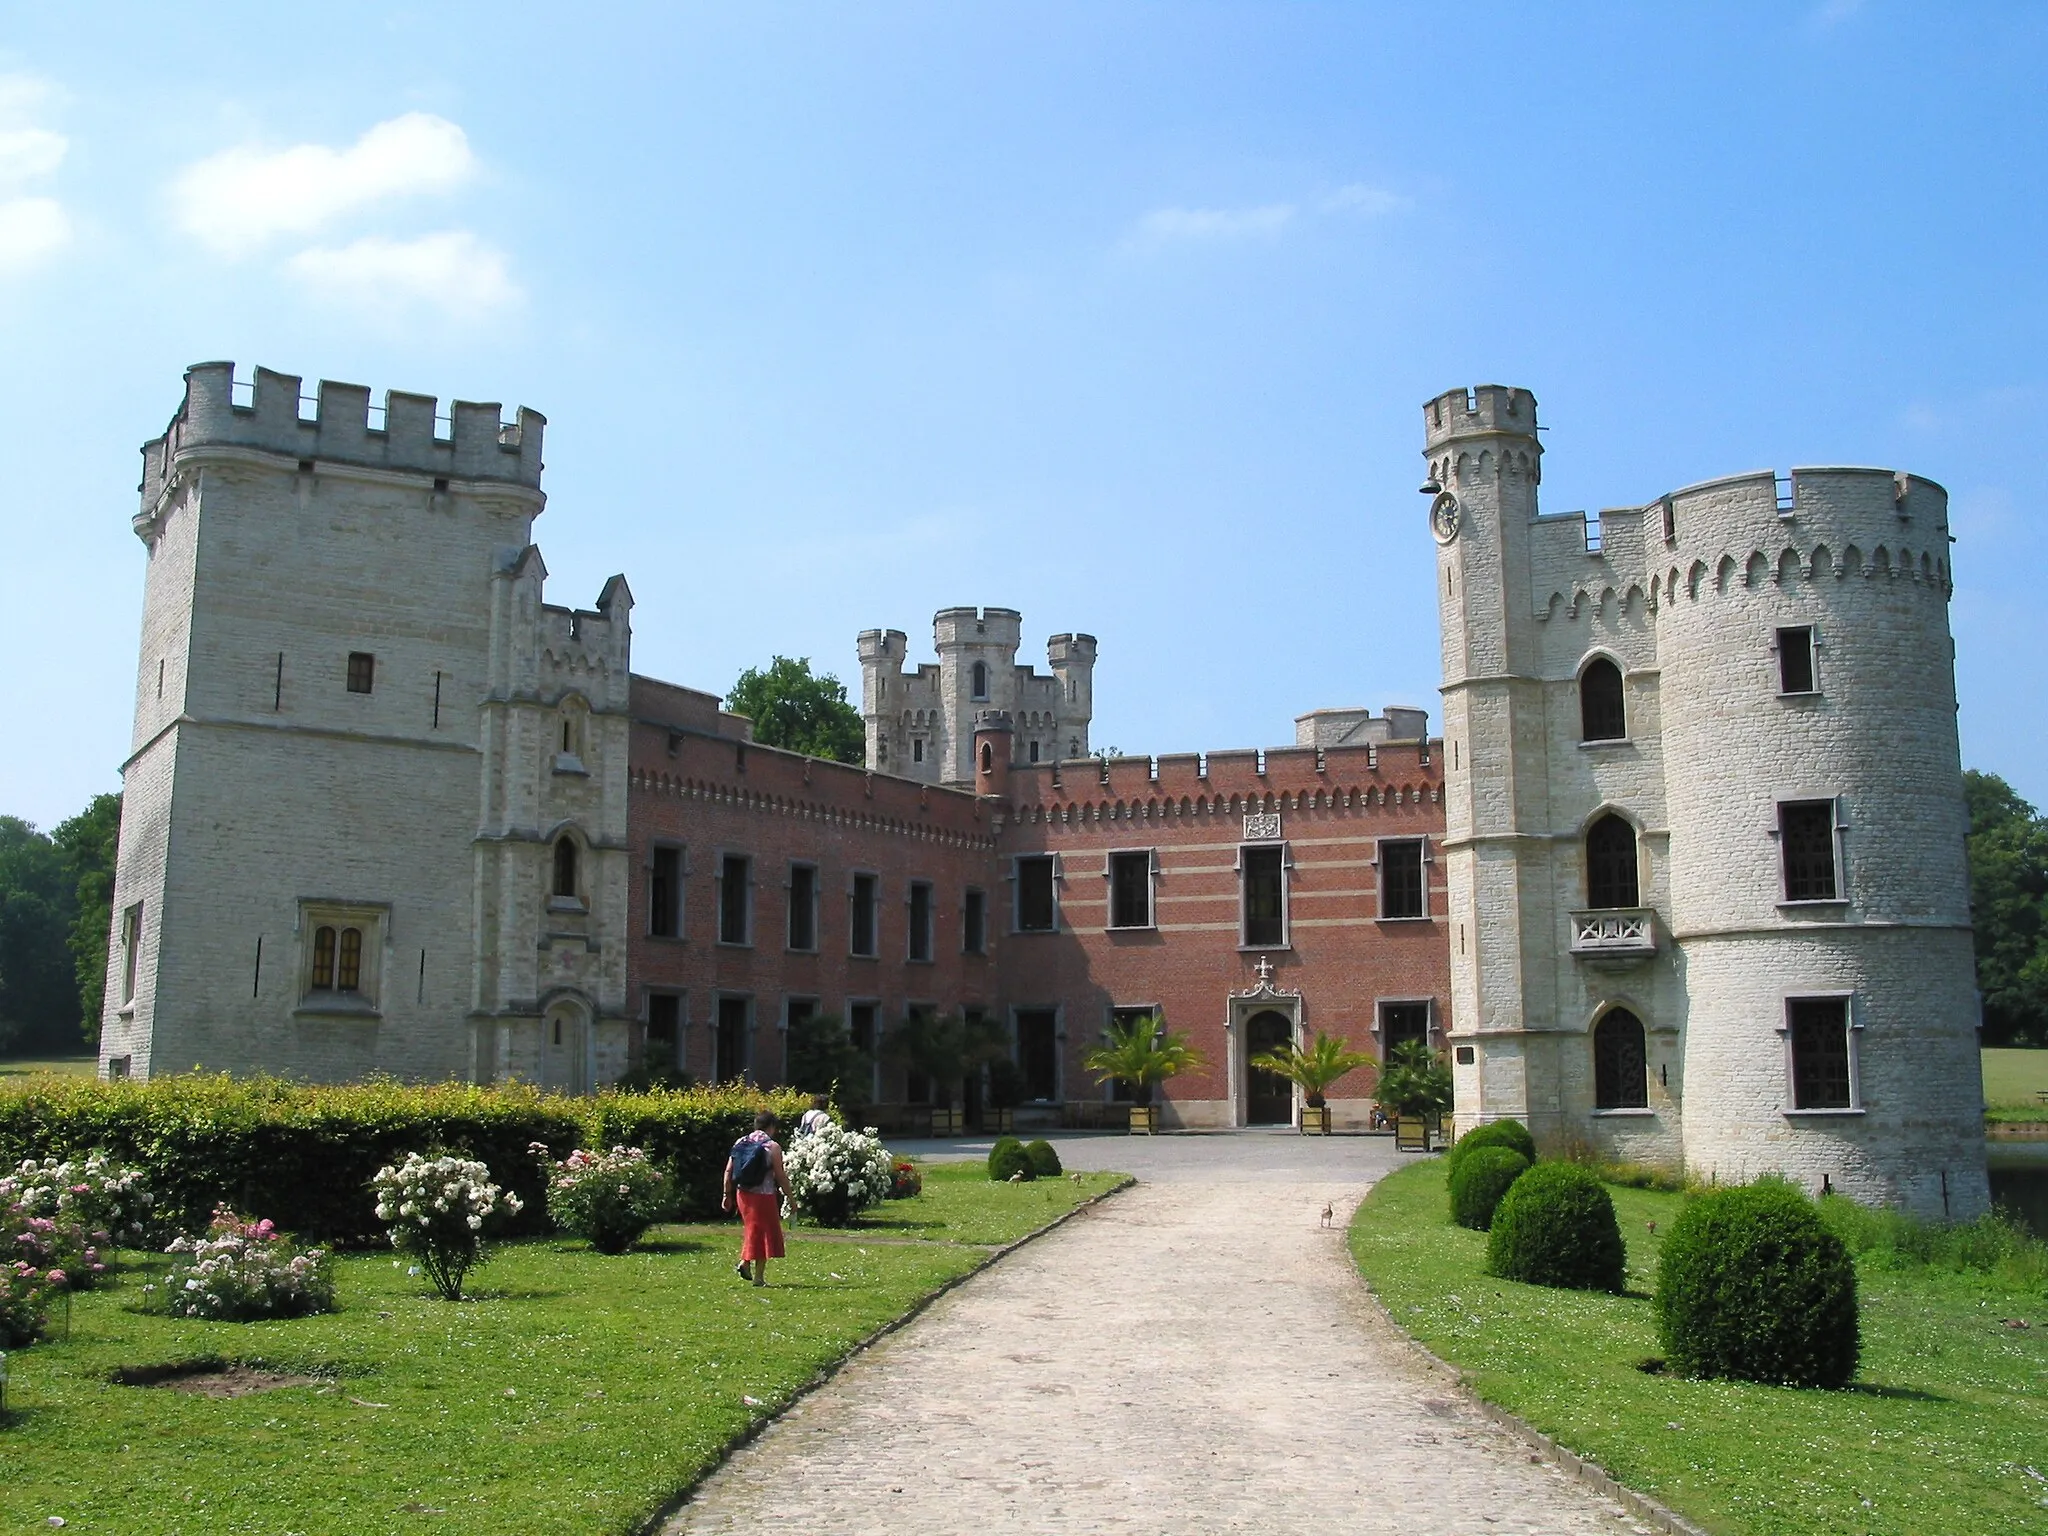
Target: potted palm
[
  {"x": 944, "y": 1048},
  {"x": 1142, "y": 1052},
  {"x": 1314, "y": 1071},
  {"x": 1415, "y": 1088}
]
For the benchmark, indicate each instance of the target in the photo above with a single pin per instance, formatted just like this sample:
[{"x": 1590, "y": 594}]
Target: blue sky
[{"x": 1119, "y": 314}]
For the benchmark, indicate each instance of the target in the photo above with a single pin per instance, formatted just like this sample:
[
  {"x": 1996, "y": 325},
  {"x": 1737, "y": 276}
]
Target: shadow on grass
[
  {"x": 1899, "y": 1394},
  {"x": 667, "y": 1245}
]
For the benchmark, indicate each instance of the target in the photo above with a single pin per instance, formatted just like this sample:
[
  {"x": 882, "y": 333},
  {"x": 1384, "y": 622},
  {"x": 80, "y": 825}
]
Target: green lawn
[
  {"x": 2014, "y": 1082},
  {"x": 1945, "y": 1430},
  {"x": 62, "y": 1066},
  {"x": 578, "y": 1394}
]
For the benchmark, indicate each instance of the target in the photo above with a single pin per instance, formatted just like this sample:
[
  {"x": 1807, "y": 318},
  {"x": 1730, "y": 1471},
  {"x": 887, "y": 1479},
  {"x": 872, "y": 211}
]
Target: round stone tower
[{"x": 1820, "y": 890}]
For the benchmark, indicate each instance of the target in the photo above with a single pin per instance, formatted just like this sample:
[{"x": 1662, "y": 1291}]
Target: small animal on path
[{"x": 1329, "y": 1214}]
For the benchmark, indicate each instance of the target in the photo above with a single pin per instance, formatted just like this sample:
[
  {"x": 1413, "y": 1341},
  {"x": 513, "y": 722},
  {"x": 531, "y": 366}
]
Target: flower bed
[
  {"x": 835, "y": 1174},
  {"x": 241, "y": 1271}
]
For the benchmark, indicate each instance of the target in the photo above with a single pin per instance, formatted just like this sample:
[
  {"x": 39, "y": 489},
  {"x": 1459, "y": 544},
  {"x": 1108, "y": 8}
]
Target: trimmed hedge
[
  {"x": 1006, "y": 1162},
  {"x": 1479, "y": 1181},
  {"x": 1555, "y": 1226},
  {"x": 999, "y": 1151},
  {"x": 1494, "y": 1133},
  {"x": 1045, "y": 1162},
  {"x": 1753, "y": 1286},
  {"x": 302, "y": 1155}
]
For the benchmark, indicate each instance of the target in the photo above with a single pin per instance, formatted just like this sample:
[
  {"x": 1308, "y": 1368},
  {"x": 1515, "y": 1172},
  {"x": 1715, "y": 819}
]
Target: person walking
[
  {"x": 756, "y": 1181},
  {"x": 817, "y": 1117}
]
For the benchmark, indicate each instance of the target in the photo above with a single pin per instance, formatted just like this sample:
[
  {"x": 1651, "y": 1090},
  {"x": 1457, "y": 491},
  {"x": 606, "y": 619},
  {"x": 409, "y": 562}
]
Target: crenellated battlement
[
  {"x": 1739, "y": 530},
  {"x": 977, "y": 626},
  {"x": 1488, "y": 409},
  {"x": 879, "y": 645},
  {"x": 405, "y": 434}
]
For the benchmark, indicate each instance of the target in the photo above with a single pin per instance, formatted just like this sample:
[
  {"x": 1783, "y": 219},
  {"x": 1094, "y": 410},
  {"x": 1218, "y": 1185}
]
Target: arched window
[
  {"x": 988, "y": 758},
  {"x": 981, "y": 679},
  {"x": 348, "y": 968},
  {"x": 323, "y": 959},
  {"x": 1601, "y": 716},
  {"x": 1611, "y": 864},
  {"x": 1621, "y": 1078},
  {"x": 565, "y": 866}
]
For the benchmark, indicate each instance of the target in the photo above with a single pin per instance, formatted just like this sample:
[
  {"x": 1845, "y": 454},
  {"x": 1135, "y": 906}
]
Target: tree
[
  {"x": 1141, "y": 1052},
  {"x": 822, "y": 1058},
  {"x": 2009, "y": 909},
  {"x": 945, "y": 1048},
  {"x": 88, "y": 842},
  {"x": 1316, "y": 1070},
  {"x": 38, "y": 989},
  {"x": 800, "y": 712}
]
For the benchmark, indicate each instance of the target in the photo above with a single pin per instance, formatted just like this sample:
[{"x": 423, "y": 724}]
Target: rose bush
[
  {"x": 607, "y": 1198},
  {"x": 437, "y": 1208},
  {"x": 834, "y": 1173},
  {"x": 242, "y": 1271},
  {"x": 24, "y": 1304},
  {"x": 905, "y": 1181},
  {"x": 96, "y": 1192}
]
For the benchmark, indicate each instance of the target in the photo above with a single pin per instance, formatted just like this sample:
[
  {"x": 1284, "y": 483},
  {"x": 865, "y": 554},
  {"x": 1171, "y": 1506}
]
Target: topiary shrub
[
  {"x": 1556, "y": 1226},
  {"x": 1006, "y": 1163},
  {"x": 996, "y": 1152},
  {"x": 1045, "y": 1162},
  {"x": 1479, "y": 1181},
  {"x": 1753, "y": 1286},
  {"x": 1495, "y": 1133}
]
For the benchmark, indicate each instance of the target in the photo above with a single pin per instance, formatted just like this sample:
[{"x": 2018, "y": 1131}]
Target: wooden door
[{"x": 1269, "y": 1099}]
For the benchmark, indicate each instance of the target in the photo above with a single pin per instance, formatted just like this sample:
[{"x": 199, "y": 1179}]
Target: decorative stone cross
[{"x": 1265, "y": 971}]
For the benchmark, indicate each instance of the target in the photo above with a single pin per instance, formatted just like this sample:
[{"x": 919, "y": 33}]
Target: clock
[{"x": 1443, "y": 517}]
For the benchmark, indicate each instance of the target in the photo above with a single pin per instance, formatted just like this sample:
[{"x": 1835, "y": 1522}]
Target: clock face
[{"x": 1443, "y": 517}]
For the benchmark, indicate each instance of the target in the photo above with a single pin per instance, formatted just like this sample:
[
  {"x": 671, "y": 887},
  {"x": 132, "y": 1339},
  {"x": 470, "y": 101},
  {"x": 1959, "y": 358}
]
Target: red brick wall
[{"x": 696, "y": 787}]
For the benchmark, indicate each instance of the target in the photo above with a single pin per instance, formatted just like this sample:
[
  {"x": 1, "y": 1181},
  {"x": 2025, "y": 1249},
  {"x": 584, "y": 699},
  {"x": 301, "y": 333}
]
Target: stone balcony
[{"x": 1615, "y": 935}]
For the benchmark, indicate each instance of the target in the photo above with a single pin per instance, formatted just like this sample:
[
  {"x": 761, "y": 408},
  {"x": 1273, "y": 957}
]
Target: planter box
[
  {"x": 1315, "y": 1120},
  {"x": 1000, "y": 1121},
  {"x": 946, "y": 1122},
  {"x": 1144, "y": 1119}
]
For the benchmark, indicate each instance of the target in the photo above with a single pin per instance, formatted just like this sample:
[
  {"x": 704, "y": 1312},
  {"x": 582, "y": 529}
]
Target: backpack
[{"x": 750, "y": 1165}]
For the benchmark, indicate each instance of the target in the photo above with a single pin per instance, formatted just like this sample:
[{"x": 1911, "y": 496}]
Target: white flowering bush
[
  {"x": 436, "y": 1208},
  {"x": 71, "y": 1213},
  {"x": 242, "y": 1271},
  {"x": 609, "y": 1198},
  {"x": 835, "y": 1174}
]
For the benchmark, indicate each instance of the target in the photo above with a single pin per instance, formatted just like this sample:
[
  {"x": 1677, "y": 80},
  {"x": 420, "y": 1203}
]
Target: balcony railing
[{"x": 1620, "y": 933}]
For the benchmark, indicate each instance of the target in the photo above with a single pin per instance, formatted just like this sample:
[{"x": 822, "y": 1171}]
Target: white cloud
[
  {"x": 32, "y": 229},
  {"x": 1358, "y": 198},
  {"x": 452, "y": 271},
  {"x": 1163, "y": 224},
  {"x": 26, "y": 153},
  {"x": 238, "y": 199},
  {"x": 24, "y": 97}
]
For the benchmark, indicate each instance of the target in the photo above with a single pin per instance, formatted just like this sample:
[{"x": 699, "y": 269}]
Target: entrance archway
[
  {"x": 1269, "y": 1099},
  {"x": 565, "y": 1048}
]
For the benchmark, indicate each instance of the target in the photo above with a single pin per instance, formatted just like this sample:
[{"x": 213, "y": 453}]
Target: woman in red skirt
[{"x": 765, "y": 1186}]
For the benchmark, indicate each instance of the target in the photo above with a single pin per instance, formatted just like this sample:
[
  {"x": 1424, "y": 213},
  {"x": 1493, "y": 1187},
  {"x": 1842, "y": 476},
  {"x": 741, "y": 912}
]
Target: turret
[
  {"x": 993, "y": 748},
  {"x": 1072, "y": 660},
  {"x": 977, "y": 671}
]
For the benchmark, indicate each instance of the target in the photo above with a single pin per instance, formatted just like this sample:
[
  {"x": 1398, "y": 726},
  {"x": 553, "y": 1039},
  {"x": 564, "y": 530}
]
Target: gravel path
[{"x": 1195, "y": 1354}]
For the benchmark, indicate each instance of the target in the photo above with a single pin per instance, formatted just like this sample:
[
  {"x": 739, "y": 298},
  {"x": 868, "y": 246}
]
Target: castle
[{"x": 389, "y": 809}]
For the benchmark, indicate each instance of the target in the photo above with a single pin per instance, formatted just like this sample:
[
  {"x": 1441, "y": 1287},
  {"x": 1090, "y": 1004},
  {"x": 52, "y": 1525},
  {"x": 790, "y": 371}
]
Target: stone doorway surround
[{"x": 1242, "y": 1007}]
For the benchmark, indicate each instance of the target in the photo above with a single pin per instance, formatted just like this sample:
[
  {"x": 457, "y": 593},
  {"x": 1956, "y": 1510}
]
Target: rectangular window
[
  {"x": 1795, "y": 660},
  {"x": 1402, "y": 893},
  {"x": 1806, "y": 843},
  {"x": 1037, "y": 911},
  {"x": 1263, "y": 871},
  {"x": 974, "y": 923},
  {"x": 1130, "y": 890},
  {"x": 664, "y": 1029},
  {"x": 735, "y": 872},
  {"x": 866, "y": 899},
  {"x": 665, "y": 894},
  {"x": 1819, "y": 1027},
  {"x": 799, "y": 1011},
  {"x": 1038, "y": 1053},
  {"x": 1402, "y": 1022},
  {"x": 338, "y": 966},
  {"x": 860, "y": 1026},
  {"x": 803, "y": 906},
  {"x": 917, "y": 749},
  {"x": 917, "y": 1088},
  {"x": 362, "y": 671},
  {"x": 920, "y": 920},
  {"x": 131, "y": 950},
  {"x": 1034, "y": 751},
  {"x": 729, "y": 1045}
]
